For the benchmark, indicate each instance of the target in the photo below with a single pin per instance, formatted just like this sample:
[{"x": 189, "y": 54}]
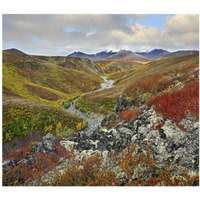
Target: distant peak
[
  {"x": 125, "y": 51},
  {"x": 14, "y": 50}
]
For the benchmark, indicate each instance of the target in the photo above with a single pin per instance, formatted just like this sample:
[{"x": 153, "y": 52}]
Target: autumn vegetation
[
  {"x": 176, "y": 105},
  {"x": 94, "y": 171},
  {"x": 20, "y": 120},
  {"x": 35, "y": 89}
]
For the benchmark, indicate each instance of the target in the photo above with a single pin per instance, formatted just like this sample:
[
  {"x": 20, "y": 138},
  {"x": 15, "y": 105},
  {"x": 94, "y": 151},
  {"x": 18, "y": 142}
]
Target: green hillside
[
  {"x": 140, "y": 83},
  {"x": 42, "y": 81},
  {"x": 34, "y": 90}
]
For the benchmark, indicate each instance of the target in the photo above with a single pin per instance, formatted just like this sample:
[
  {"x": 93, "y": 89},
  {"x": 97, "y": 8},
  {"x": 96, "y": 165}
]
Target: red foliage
[
  {"x": 178, "y": 104},
  {"x": 129, "y": 114},
  {"x": 158, "y": 127},
  {"x": 18, "y": 154},
  {"x": 149, "y": 84},
  {"x": 41, "y": 163}
]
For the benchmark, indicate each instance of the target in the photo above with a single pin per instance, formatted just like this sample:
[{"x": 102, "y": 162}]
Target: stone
[
  {"x": 46, "y": 145},
  {"x": 122, "y": 104},
  {"x": 68, "y": 144},
  {"x": 7, "y": 164}
]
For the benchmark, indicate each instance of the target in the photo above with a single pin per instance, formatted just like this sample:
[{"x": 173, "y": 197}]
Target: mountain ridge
[{"x": 151, "y": 55}]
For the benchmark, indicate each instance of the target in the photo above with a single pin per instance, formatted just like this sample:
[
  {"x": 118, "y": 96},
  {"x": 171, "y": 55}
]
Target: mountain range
[{"x": 127, "y": 55}]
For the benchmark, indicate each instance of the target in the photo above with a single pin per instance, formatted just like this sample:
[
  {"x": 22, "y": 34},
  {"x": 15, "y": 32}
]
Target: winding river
[{"x": 93, "y": 120}]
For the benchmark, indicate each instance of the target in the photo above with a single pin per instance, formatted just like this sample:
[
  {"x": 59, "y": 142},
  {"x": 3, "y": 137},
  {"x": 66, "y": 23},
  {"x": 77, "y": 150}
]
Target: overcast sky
[{"x": 64, "y": 34}]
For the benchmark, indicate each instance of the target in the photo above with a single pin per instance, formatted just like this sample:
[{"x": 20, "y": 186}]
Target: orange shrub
[
  {"x": 86, "y": 173},
  {"x": 127, "y": 115}
]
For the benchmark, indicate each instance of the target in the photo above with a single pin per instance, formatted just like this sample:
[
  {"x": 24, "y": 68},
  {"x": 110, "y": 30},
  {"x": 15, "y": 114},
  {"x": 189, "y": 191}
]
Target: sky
[{"x": 60, "y": 35}]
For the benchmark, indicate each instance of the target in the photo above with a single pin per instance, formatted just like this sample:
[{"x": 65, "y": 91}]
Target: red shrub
[
  {"x": 158, "y": 127},
  {"x": 177, "y": 104},
  {"x": 18, "y": 154},
  {"x": 23, "y": 173},
  {"x": 129, "y": 114}
]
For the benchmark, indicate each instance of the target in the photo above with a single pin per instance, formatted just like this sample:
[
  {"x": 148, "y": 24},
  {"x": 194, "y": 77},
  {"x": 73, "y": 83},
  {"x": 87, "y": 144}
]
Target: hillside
[
  {"x": 34, "y": 90},
  {"x": 124, "y": 55},
  {"x": 150, "y": 72},
  {"x": 45, "y": 81},
  {"x": 111, "y": 67},
  {"x": 148, "y": 133}
]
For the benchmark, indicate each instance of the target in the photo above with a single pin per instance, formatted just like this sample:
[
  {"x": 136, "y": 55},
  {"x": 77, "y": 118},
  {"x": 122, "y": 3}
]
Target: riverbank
[{"x": 93, "y": 119}]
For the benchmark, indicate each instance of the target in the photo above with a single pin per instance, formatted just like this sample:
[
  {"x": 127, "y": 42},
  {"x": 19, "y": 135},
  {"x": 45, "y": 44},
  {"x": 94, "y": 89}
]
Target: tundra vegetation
[{"x": 36, "y": 88}]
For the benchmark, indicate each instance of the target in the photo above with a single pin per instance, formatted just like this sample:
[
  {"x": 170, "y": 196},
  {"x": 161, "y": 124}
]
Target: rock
[
  {"x": 7, "y": 164},
  {"x": 46, "y": 145},
  {"x": 134, "y": 138},
  {"x": 110, "y": 118},
  {"x": 125, "y": 131},
  {"x": 24, "y": 161},
  {"x": 68, "y": 144},
  {"x": 142, "y": 130},
  {"x": 122, "y": 104}
]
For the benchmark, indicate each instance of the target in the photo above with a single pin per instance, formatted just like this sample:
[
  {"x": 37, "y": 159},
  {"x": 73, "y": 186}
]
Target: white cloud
[
  {"x": 92, "y": 33},
  {"x": 182, "y": 24},
  {"x": 89, "y": 34}
]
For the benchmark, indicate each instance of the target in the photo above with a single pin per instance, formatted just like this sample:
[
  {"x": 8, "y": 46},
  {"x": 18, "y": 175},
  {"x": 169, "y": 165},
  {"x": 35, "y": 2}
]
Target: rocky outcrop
[
  {"x": 170, "y": 144},
  {"x": 122, "y": 104},
  {"x": 46, "y": 145}
]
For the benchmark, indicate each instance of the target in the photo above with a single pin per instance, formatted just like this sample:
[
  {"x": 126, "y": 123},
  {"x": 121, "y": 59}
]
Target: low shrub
[
  {"x": 177, "y": 104},
  {"x": 23, "y": 174},
  {"x": 86, "y": 173},
  {"x": 127, "y": 115},
  {"x": 19, "y": 120}
]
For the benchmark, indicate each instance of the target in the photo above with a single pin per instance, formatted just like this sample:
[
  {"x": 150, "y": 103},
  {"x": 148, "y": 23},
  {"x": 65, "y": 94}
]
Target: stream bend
[{"x": 94, "y": 120}]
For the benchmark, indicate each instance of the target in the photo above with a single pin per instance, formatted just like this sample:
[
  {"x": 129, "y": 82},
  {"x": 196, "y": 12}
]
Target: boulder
[
  {"x": 68, "y": 144},
  {"x": 122, "y": 104},
  {"x": 47, "y": 144},
  {"x": 7, "y": 164}
]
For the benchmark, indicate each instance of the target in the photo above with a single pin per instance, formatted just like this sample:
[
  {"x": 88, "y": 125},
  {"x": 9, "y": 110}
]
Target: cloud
[
  {"x": 89, "y": 34},
  {"x": 180, "y": 24},
  {"x": 63, "y": 34}
]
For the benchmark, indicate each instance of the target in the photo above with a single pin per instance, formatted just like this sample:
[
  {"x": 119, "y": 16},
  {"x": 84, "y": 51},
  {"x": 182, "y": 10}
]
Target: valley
[
  {"x": 119, "y": 114},
  {"x": 93, "y": 120}
]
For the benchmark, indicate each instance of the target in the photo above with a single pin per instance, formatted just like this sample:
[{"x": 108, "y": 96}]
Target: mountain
[
  {"x": 154, "y": 54},
  {"x": 13, "y": 50},
  {"x": 98, "y": 56},
  {"x": 180, "y": 53},
  {"x": 125, "y": 55},
  {"x": 102, "y": 55},
  {"x": 79, "y": 54}
]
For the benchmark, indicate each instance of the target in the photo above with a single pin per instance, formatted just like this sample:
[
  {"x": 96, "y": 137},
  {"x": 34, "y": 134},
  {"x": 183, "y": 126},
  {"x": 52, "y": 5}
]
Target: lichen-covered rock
[
  {"x": 46, "y": 145},
  {"x": 122, "y": 103},
  {"x": 7, "y": 164}
]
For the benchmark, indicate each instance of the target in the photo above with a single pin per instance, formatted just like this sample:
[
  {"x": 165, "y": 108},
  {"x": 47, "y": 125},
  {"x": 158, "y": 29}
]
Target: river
[{"x": 93, "y": 120}]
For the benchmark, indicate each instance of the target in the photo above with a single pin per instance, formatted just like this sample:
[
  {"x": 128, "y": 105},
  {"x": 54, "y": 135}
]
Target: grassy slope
[
  {"x": 80, "y": 64},
  {"x": 35, "y": 89},
  {"x": 112, "y": 67},
  {"x": 44, "y": 82},
  {"x": 96, "y": 102}
]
